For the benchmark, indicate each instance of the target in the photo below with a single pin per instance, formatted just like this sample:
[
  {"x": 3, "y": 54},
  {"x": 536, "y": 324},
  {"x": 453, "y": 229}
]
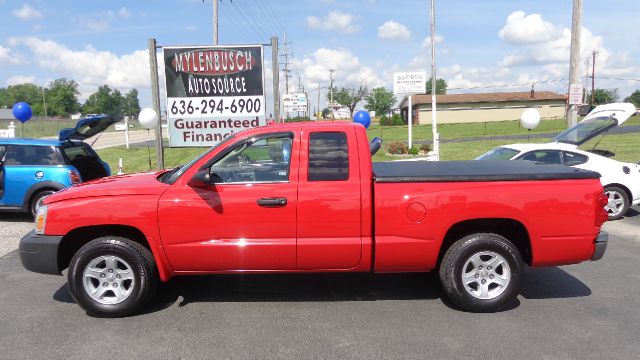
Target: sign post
[
  {"x": 409, "y": 83},
  {"x": 213, "y": 92}
]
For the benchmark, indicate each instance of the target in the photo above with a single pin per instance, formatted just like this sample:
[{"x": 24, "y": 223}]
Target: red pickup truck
[{"x": 305, "y": 197}]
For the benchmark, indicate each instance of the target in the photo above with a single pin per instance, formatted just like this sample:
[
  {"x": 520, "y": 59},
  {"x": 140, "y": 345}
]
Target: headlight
[{"x": 41, "y": 219}]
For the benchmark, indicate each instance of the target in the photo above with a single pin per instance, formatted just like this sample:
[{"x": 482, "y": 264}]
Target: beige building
[{"x": 484, "y": 107}]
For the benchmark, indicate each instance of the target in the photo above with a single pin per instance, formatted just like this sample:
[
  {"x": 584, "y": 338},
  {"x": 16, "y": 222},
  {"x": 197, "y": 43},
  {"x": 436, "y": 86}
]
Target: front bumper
[
  {"x": 601, "y": 245},
  {"x": 39, "y": 253}
]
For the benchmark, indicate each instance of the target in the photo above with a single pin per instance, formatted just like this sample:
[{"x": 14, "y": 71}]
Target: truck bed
[{"x": 474, "y": 170}]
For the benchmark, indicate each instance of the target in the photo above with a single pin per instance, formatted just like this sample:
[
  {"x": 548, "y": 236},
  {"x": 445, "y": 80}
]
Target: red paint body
[{"x": 326, "y": 225}]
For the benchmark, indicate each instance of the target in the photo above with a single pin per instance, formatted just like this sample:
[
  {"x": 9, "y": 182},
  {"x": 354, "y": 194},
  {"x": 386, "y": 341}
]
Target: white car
[{"x": 620, "y": 180}]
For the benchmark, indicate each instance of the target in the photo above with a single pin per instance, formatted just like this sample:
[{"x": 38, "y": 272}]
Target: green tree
[
  {"x": 29, "y": 93},
  {"x": 380, "y": 100},
  {"x": 604, "y": 96},
  {"x": 62, "y": 97},
  {"x": 349, "y": 96},
  {"x": 104, "y": 101},
  {"x": 131, "y": 103},
  {"x": 441, "y": 86},
  {"x": 634, "y": 98}
]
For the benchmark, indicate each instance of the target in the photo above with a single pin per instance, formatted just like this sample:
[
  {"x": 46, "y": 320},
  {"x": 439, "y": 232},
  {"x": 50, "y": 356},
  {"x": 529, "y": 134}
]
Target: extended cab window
[
  {"x": 543, "y": 156},
  {"x": 256, "y": 160},
  {"x": 572, "y": 159},
  {"x": 32, "y": 155},
  {"x": 328, "y": 156}
]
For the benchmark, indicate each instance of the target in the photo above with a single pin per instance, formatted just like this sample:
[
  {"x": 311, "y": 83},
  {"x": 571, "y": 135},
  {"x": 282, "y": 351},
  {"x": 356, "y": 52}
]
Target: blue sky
[{"x": 482, "y": 45}]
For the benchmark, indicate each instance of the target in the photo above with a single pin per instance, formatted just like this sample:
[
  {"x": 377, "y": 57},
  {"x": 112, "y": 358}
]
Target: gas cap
[{"x": 416, "y": 212}]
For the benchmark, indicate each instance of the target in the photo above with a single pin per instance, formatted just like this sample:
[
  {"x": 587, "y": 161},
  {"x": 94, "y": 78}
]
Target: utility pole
[
  {"x": 574, "y": 59},
  {"x": 286, "y": 69},
  {"x": 155, "y": 97},
  {"x": 215, "y": 22},
  {"x": 586, "y": 79},
  {"x": 434, "y": 128},
  {"x": 331, "y": 71},
  {"x": 276, "y": 78},
  {"x": 318, "y": 110},
  {"x": 593, "y": 77}
]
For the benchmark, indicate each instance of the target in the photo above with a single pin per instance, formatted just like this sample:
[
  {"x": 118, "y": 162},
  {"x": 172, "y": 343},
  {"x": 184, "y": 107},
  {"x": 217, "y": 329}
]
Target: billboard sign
[
  {"x": 409, "y": 82},
  {"x": 294, "y": 102},
  {"x": 213, "y": 92}
]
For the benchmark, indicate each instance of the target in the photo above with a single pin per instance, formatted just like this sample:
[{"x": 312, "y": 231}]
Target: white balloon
[
  {"x": 148, "y": 118},
  {"x": 530, "y": 119}
]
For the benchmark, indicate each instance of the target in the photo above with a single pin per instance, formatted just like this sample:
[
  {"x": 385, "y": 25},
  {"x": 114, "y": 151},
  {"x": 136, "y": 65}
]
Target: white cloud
[
  {"x": 427, "y": 41},
  {"x": 334, "y": 21},
  {"x": 124, "y": 12},
  {"x": 26, "y": 12},
  {"x": 6, "y": 57},
  {"x": 90, "y": 67},
  {"x": 521, "y": 28},
  {"x": 349, "y": 70},
  {"x": 21, "y": 79},
  {"x": 555, "y": 50},
  {"x": 392, "y": 30},
  {"x": 101, "y": 21}
]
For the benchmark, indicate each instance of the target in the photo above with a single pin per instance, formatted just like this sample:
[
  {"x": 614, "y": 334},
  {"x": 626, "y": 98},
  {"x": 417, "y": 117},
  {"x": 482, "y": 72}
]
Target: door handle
[{"x": 272, "y": 202}]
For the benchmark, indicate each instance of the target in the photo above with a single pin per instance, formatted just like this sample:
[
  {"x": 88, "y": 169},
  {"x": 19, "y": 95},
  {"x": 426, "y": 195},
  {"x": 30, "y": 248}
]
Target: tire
[
  {"x": 126, "y": 267},
  {"x": 36, "y": 201},
  {"x": 618, "y": 202},
  {"x": 482, "y": 272}
]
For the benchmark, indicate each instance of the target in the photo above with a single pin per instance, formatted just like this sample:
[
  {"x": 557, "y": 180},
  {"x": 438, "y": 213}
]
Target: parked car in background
[
  {"x": 621, "y": 180},
  {"x": 31, "y": 169}
]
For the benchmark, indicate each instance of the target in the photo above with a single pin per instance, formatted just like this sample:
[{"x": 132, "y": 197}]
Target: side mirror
[{"x": 201, "y": 179}]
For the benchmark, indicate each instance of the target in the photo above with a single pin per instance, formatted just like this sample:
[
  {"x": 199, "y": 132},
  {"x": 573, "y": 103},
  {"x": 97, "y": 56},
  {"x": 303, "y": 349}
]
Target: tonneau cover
[{"x": 487, "y": 170}]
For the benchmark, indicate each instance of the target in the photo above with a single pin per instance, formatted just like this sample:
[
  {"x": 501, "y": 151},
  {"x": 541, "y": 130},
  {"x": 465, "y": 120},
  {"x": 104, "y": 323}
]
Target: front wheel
[
  {"x": 37, "y": 199},
  {"x": 482, "y": 272},
  {"x": 617, "y": 202},
  {"x": 112, "y": 276}
]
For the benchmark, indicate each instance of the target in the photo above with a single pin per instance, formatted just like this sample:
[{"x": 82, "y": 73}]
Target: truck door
[
  {"x": 246, "y": 220},
  {"x": 329, "y": 200}
]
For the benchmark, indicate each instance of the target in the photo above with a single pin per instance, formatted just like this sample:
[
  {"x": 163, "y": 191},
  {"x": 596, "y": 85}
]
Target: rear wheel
[
  {"x": 112, "y": 276},
  {"x": 37, "y": 199},
  {"x": 481, "y": 272},
  {"x": 617, "y": 203}
]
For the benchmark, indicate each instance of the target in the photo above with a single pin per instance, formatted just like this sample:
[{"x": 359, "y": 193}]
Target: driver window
[{"x": 261, "y": 160}]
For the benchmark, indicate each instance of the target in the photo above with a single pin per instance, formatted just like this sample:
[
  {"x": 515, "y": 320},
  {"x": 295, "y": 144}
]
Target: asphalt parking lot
[{"x": 584, "y": 311}]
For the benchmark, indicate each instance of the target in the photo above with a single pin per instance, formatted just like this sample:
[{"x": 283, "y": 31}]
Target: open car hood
[
  {"x": 88, "y": 127},
  {"x": 598, "y": 121}
]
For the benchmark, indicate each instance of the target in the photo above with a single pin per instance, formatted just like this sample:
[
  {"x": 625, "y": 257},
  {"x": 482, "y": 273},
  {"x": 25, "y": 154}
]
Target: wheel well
[
  {"x": 510, "y": 229},
  {"x": 41, "y": 190},
  {"x": 626, "y": 190},
  {"x": 76, "y": 238}
]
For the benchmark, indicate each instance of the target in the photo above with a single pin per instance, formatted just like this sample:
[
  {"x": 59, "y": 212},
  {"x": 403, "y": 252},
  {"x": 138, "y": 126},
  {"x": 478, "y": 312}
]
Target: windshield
[
  {"x": 171, "y": 176},
  {"x": 586, "y": 130},
  {"x": 499, "y": 153}
]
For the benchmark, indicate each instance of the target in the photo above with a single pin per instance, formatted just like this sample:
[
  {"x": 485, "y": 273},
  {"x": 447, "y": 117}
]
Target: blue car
[{"x": 31, "y": 169}]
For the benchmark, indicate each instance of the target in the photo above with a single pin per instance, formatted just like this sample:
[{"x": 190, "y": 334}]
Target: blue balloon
[
  {"x": 362, "y": 117},
  {"x": 22, "y": 111}
]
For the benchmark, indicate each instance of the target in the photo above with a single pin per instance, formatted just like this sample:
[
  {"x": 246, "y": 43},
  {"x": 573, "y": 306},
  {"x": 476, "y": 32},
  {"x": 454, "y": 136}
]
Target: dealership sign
[
  {"x": 409, "y": 82},
  {"x": 213, "y": 92},
  {"x": 294, "y": 102}
]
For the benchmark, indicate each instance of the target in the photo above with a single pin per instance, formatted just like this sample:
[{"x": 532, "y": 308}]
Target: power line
[
  {"x": 275, "y": 16},
  {"x": 240, "y": 29},
  {"x": 261, "y": 11},
  {"x": 259, "y": 33},
  {"x": 507, "y": 85},
  {"x": 262, "y": 25}
]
